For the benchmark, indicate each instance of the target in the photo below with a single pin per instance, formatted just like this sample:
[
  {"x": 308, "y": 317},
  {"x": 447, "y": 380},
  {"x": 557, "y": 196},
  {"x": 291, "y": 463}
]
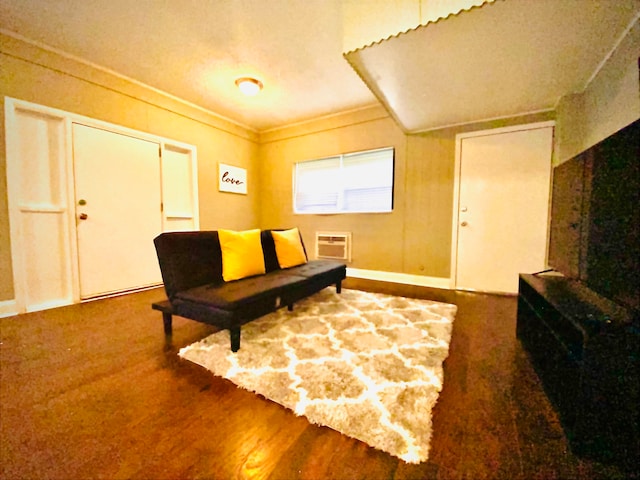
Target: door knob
[
  {"x": 464, "y": 224},
  {"x": 83, "y": 216}
]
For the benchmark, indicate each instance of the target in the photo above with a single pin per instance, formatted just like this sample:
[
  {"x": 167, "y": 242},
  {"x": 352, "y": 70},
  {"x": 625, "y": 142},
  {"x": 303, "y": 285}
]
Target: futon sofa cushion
[
  {"x": 289, "y": 248},
  {"x": 314, "y": 268},
  {"x": 242, "y": 254},
  {"x": 232, "y": 295}
]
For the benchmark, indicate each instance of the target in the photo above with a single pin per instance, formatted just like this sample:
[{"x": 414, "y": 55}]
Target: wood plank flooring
[{"x": 96, "y": 391}]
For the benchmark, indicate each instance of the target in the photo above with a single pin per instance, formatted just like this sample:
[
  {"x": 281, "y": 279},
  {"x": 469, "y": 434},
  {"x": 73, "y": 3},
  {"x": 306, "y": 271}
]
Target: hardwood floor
[{"x": 96, "y": 391}]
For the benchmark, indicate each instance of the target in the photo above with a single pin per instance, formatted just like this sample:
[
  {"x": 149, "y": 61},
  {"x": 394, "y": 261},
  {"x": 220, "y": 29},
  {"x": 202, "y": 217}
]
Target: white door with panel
[
  {"x": 118, "y": 210},
  {"x": 39, "y": 213},
  {"x": 501, "y": 207}
]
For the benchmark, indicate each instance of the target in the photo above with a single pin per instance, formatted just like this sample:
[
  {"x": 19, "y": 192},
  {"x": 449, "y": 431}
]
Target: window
[{"x": 350, "y": 183}]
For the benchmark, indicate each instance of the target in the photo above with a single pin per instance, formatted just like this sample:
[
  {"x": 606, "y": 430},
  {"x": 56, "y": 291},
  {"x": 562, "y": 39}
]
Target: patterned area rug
[{"x": 367, "y": 365}]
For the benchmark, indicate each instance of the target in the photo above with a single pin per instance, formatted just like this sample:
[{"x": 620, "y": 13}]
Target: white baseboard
[
  {"x": 404, "y": 278},
  {"x": 8, "y": 308},
  {"x": 47, "y": 305}
]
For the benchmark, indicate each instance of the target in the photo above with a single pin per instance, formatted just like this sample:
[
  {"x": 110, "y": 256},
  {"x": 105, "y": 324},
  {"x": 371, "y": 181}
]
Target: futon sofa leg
[
  {"x": 339, "y": 286},
  {"x": 234, "y": 333},
  {"x": 166, "y": 320}
]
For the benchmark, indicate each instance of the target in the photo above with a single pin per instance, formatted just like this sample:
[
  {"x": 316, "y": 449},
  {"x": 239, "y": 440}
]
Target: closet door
[
  {"x": 179, "y": 188},
  {"x": 118, "y": 210}
]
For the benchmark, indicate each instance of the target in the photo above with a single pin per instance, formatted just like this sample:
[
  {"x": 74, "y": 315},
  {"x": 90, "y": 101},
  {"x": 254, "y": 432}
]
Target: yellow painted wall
[
  {"x": 374, "y": 235},
  {"x": 414, "y": 239},
  {"x": 368, "y": 22},
  {"x": 6, "y": 272},
  {"x": 34, "y": 75}
]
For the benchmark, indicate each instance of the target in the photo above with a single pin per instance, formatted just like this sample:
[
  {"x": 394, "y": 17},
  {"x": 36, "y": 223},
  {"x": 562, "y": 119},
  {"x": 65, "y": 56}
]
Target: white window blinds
[{"x": 351, "y": 183}]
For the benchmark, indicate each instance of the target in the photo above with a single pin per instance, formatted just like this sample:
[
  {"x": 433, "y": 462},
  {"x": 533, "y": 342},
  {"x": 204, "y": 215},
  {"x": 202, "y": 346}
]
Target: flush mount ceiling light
[{"x": 249, "y": 86}]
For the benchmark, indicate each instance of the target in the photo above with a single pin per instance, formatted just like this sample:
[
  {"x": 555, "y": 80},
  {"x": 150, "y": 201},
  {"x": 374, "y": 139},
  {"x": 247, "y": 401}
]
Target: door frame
[
  {"x": 456, "y": 183},
  {"x": 12, "y": 106}
]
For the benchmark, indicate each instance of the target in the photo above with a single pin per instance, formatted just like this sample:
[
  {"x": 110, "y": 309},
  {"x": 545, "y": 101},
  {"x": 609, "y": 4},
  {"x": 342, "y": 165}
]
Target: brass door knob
[{"x": 464, "y": 224}]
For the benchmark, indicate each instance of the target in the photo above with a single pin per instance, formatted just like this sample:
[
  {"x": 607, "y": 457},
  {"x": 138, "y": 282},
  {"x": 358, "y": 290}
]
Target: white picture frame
[{"x": 232, "y": 179}]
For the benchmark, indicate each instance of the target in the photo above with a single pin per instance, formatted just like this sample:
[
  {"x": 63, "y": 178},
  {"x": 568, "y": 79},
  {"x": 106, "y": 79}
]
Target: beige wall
[
  {"x": 375, "y": 236},
  {"x": 415, "y": 238},
  {"x": 38, "y": 76},
  {"x": 6, "y": 272},
  {"x": 610, "y": 101}
]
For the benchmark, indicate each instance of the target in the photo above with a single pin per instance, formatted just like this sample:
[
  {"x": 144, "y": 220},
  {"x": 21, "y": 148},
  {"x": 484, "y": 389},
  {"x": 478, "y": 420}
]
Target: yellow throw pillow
[
  {"x": 241, "y": 254},
  {"x": 289, "y": 248}
]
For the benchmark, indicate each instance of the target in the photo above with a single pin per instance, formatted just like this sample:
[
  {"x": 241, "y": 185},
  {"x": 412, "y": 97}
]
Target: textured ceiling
[
  {"x": 195, "y": 49},
  {"x": 498, "y": 60},
  {"x": 504, "y": 58}
]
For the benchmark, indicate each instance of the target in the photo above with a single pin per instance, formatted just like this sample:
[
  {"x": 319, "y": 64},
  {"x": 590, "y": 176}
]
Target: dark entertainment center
[{"x": 580, "y": 323}]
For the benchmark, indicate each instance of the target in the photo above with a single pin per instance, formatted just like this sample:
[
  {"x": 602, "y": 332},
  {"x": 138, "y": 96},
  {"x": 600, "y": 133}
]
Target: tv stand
[{"x": 585, "y": 350}]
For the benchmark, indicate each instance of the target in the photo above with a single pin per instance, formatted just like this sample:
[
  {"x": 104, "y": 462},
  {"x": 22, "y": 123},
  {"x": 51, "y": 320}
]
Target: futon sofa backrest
[
  {"x": 192, "y": 259},
  {"x": 188, "y": 260}
]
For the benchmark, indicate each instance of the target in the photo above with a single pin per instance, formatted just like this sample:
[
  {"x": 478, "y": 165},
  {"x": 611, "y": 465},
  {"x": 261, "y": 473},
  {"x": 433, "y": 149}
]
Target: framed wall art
[{"x": 232, "y": 179}]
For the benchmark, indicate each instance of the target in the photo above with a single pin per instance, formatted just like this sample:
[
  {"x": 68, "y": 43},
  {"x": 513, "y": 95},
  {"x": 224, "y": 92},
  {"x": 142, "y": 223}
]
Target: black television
[{"x": 595, "y": 218}]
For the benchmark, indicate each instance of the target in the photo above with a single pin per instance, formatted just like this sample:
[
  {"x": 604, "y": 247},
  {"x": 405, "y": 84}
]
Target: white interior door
[
  {"x": 117, "y": 180},
  {"x": 502, "y": 208}
]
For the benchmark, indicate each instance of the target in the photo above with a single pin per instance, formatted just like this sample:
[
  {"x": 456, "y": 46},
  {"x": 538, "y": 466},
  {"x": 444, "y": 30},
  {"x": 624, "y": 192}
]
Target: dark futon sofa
[{"x": 191, "y": 266}]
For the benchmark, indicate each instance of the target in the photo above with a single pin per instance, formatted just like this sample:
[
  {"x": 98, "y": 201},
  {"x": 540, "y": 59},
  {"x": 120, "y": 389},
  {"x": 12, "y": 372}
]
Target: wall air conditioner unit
[{"x": 334, "y": 245}]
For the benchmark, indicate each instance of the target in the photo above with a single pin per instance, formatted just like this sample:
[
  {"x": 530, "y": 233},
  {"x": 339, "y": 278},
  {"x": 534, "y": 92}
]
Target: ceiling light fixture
[{"x": 249, "y": 86}]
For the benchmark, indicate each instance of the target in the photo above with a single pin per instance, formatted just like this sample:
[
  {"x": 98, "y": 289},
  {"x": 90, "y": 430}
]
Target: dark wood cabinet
[{"x": 585, "y": 351}]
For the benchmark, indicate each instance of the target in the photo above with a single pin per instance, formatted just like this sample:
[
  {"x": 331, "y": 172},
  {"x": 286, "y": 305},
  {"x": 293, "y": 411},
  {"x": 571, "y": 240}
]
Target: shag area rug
[{"x": 367, "y": 365}]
